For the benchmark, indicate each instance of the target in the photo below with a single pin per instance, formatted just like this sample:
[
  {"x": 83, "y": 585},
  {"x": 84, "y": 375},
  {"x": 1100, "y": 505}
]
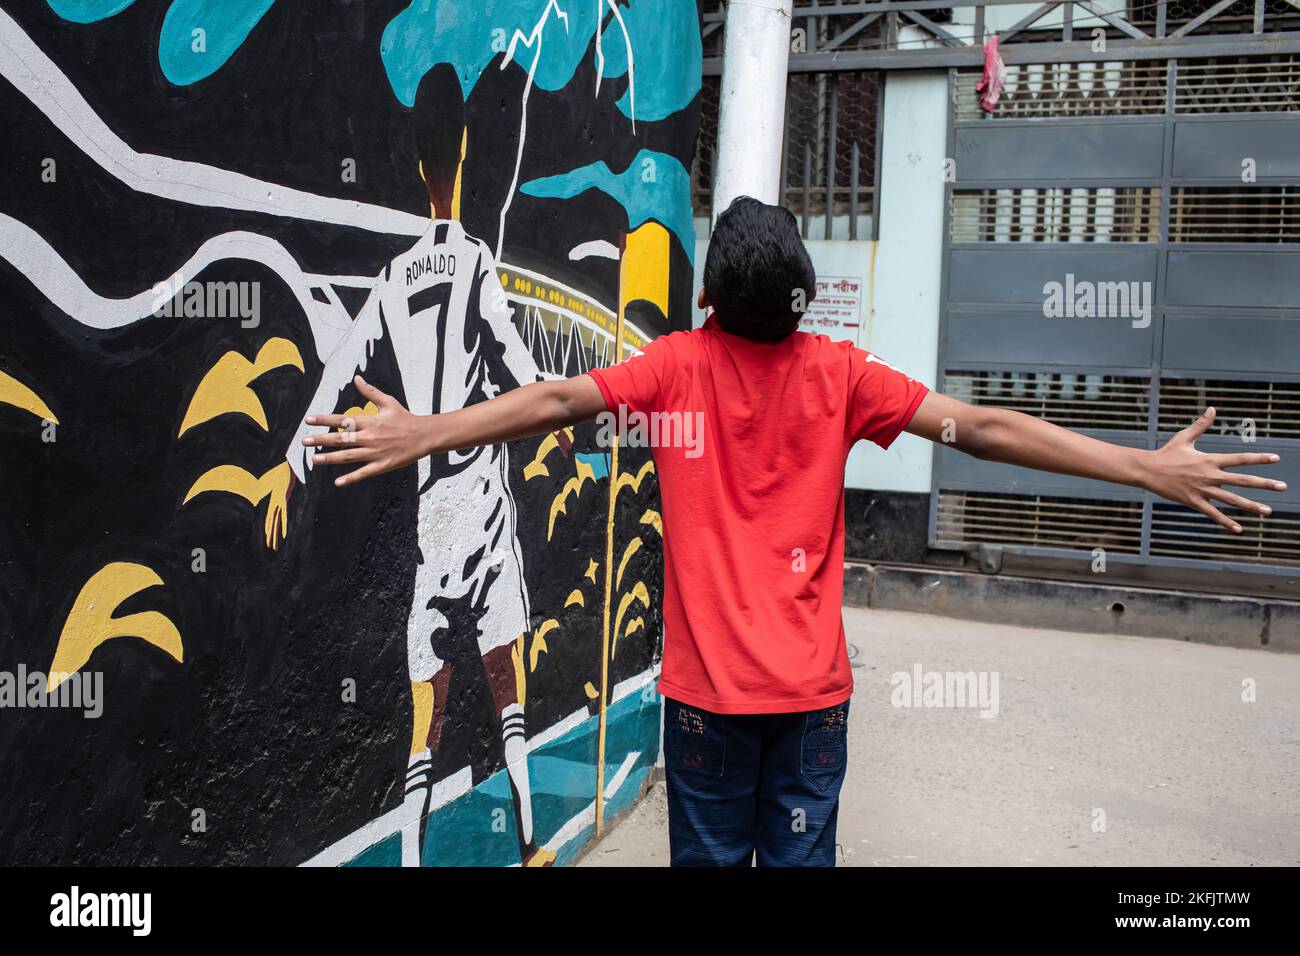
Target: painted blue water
[
  {"x": 478, "y": 829},
  {"x": 654, "y": 186},
  {"x": 225, "y": 25},
  {"x": 663, "y": 35},
  {"x": 660, "y": 39},
  {"x": 88, "y": 11}
]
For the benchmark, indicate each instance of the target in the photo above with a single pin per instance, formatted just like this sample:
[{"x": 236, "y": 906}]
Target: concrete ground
[{"x": 1105, "y": 750}]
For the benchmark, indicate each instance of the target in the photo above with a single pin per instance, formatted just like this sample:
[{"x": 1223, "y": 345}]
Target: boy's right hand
[{"x": 391, "y": 439}]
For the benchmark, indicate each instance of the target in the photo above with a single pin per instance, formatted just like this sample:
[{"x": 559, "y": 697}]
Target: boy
[{"x": 755, "y": 670}]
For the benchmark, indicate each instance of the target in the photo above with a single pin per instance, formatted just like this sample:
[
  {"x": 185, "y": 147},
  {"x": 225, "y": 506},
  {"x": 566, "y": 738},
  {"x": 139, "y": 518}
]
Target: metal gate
[{"x": 1174, "y": 185}]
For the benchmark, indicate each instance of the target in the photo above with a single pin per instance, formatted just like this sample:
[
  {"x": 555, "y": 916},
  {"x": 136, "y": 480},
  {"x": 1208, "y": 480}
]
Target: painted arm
[
  {"x": 515, "y": 359},
  {"x": 1177, "y": 472},
  {"x": 352, "y": 354},
  {"x": 395, "y": 438}
]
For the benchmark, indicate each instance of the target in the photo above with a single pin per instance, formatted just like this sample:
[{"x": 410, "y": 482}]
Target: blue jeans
[{"x": 746, "y": 784}]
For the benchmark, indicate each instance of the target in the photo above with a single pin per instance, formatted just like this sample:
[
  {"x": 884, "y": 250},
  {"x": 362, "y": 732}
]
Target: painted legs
[
  {"x": 506, "y": 673},
  {"x": 507, "y": 676}
]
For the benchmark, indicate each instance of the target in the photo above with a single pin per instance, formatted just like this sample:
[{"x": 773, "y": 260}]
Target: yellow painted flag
[{"x": 643, "y": 271}]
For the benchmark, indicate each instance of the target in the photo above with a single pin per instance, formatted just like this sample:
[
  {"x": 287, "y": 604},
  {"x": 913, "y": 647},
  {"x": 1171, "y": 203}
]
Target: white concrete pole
[{"x": 756, "y": 53}]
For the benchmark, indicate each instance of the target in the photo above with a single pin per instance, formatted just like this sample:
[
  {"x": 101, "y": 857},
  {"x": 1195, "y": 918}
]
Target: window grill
[
  {"x": 1088, "y": 400},
  {"x": 1039, "y": 521},
  {"x": 1238, "y": 214},
  {"x": 704, "y": 166},
  {"x": 828, "y": 157},
  {"x": 1182, "y": 533},
  {"x": 1262, "y": 409},
  {"x": 1049, "y": 214},
  {"x": 1037, "y": 90},
  {"x": 1238, "y": 17},
  {"x": 829, "y": 151},
  {"x": 1239, "y": 84},
  {"x": 1255, "y": 213}
]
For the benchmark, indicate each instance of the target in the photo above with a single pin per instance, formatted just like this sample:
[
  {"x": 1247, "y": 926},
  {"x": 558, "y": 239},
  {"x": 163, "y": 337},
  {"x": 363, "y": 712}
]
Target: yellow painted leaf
[
  {"x": 632, "y": 548},
  {"x": 573, "y": 486},
  {"x": 90, "y": 622},
  {"x": 640, "y": 593},
  {"x": 224, "y": 389},
  {"x": 15, "y": 393}
]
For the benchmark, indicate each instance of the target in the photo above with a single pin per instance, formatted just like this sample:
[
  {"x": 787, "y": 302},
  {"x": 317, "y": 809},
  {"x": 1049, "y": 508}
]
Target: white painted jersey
[{"x": 455, "y": 342}]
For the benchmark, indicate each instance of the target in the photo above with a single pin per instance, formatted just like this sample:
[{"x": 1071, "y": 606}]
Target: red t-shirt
[{"x": 753, "y": 507}]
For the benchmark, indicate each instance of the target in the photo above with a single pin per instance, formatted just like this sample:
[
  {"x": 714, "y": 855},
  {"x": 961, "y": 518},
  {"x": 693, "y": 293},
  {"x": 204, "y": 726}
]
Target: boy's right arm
[{"x": 395, "y": 438}]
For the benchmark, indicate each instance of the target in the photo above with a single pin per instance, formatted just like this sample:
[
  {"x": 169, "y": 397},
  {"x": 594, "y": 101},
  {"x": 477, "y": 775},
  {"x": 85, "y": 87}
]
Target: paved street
[{"x": 1149, "y": 736}]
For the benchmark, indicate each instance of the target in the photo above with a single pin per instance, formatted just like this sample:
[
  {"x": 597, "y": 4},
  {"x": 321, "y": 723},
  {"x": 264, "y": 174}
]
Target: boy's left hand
[{"x": 1180, "y": 472}]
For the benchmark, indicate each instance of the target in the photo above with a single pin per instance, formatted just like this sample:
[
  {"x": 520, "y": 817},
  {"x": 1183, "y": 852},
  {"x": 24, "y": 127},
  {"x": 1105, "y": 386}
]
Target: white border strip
[
  {"x": 381, "y": 828},
  {"x": 587, "y": 816}
]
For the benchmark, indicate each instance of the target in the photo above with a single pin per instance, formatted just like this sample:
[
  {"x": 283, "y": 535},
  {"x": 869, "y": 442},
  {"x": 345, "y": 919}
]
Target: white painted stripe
[
  {"x": 620, "y": 775},
  {"x": 380, "y": 828},
  {"x": 358, "y": 282},
  {"x": 571, "y": 829},
  {"x": 451, "y": 788},
  {"x": 359, "y": 840},
  {"x": 587, "y": 816},
  {"x": 558, "y": 729},
  {"x": 37, "y": 77},
  {"x": 599, "y": 248},
  {"x": 38, "y": 261},
  {"x": 635, "y": 683},
  {"x": 578, "y": 717}
]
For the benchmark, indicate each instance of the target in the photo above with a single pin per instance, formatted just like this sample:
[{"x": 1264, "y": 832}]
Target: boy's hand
[
  {"x": 394, "y": 437},
  {"x": 391, "y": 439},
  {"x": 1177, "y": 471},
  {"x": 1182, "y": 474}
]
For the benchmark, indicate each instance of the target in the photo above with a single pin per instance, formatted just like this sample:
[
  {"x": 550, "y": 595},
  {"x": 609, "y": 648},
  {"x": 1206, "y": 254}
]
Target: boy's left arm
[{"x": 1177, "y": 471}]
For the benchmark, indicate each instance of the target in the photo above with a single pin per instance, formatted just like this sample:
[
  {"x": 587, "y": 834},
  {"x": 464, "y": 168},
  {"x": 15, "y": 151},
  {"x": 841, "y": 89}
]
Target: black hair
[
  {"x": 439, "y": 128},
  {"x": 757, "y": 274}
]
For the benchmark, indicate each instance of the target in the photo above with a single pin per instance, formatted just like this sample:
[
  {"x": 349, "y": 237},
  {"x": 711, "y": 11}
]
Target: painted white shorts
[{"x": 470, "y": 557}]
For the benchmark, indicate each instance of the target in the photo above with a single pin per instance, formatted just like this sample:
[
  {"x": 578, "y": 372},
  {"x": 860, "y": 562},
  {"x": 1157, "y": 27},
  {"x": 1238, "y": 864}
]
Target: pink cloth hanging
[{"x": 995, "y": 75}]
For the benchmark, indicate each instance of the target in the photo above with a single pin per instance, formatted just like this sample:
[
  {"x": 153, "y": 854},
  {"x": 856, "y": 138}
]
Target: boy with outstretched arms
[{"x": 755, "y": 670}]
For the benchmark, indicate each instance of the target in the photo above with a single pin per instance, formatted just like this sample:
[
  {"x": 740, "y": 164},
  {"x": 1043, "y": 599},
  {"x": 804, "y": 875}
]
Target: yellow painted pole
[{"x": 609, "y": 574}]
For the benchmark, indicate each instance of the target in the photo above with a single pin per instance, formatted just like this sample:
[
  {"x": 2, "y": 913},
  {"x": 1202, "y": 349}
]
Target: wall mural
[{"x": 212, "y": 215}]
